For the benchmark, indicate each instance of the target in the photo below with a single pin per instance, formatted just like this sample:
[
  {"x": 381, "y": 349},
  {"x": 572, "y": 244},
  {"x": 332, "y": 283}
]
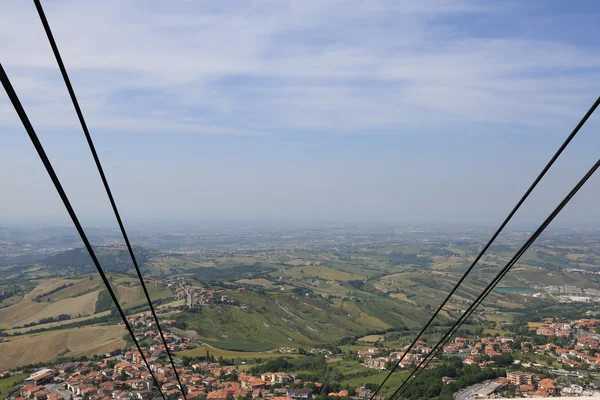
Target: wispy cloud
[{"x": 268, "y": 67}]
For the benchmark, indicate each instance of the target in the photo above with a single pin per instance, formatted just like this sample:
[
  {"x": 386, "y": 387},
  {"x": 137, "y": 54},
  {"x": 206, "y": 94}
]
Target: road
[
  {"x": 58, "y": 388},
  {"x": 188, "y": 295},
  {"x": 466, "y": 393}
]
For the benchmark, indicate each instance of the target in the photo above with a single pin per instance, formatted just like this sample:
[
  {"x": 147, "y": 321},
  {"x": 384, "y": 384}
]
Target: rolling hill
[{"x": 261, "y": 321}]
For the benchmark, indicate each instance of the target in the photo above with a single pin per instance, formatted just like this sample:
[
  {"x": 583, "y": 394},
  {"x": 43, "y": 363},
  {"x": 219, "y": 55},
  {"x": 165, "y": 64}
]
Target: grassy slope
[
  {"x": 8, "y": 384},
  {"x": 227, "y": 354},
  {"x": 392, "y": 383},
  {"x": 277, "y": 319}
]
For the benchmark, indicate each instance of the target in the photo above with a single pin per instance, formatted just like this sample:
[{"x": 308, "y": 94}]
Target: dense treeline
[
  {"x": 111, "y": 259},
  {"x": 320, "y": 371},
  {"x": 50, "y": 292},
  {"x": 410, "y": 259},
  {"x": 430, "y": 386},
  {"x": 47, "y": 320},
  {"x": 104, "y": 303},
  {"x": 113, "y": 317},
  {"x": 207, "y": 274}
]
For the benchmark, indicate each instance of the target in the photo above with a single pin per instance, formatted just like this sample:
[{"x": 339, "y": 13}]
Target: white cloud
[{"x": 267, "y": 67}]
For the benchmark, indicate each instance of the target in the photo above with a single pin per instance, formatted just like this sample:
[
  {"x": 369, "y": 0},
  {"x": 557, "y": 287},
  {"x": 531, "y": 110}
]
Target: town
[{"x": 121, "y": 374}]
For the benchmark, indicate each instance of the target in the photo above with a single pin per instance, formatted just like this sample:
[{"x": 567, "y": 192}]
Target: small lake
[{"x": 513, "y": 289}]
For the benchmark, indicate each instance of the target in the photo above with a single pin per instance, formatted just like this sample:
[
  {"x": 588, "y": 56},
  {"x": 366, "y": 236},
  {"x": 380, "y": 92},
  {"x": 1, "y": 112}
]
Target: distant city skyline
[{"x": 406, "y": 112}]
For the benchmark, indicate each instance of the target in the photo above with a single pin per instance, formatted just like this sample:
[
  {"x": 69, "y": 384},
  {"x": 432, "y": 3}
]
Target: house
[
  {"x": 520, "y": 378},
  {"x": 30, "y": 389},
  {"x": 299, "y": 393},
  {"x": 547, "y": 385},
  {"x": 545, "y": 331},
  {"x": 113, "y": 352},
  {"x": 373, "y": 351},
  {"x": 377, "y": 363},
  {"x": 217, "y": 395},
  {"x": 526, "y": 388},
  {"x": 277, "y": 377},
  {"x": 40, "y": 377},
  {"x": 41, "y": 395}
]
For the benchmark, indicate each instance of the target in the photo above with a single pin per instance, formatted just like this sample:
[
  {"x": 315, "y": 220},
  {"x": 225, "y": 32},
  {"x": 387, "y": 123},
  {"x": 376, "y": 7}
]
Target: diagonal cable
[
  {"x": 493, "y": 238},
  {"x": 88, "y": 137},
  {"x": 44, "y": 158},
  {"x": 437, "y": 348}
]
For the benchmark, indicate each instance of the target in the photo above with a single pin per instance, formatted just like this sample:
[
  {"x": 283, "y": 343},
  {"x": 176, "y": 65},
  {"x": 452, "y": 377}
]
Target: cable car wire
[
  {"x": 113, "y": 204},
  {"x": 493, "y": 238},
  {"x": 438, "y": 347},
  {"x": 44, "y": 158}
]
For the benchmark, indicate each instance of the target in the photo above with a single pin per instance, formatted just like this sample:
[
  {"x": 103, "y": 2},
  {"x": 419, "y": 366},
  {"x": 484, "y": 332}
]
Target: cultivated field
[
  {"x": 257, "y": 281},
  {"x": 35, "y": 348},
  {"x": 28, "y": 310},
  {"x": 401, "y": 296},
  {"x": 59, "y": 323},
  {"x": 14, "y": 314},
  {"x": 172, "y": 304},
  {"x": 322, "y": 272},
  {"x": 372, "y": 338},
  {"x": 77, "y": 306},
  {"x": 127, "y": 294},
  {"x": 77, "y": 288}
]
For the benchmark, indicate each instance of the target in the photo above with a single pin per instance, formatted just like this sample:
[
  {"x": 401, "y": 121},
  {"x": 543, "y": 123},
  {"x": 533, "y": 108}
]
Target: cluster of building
[
  {"x": 554, "y": 329},
  {"x": 570, "y": 293},
  {"x": 377, "y": 358},
  {"x": 472, "y": 349},
  {"x": 198, "y": 296},
  {"x": 124, "y": 377},
  {"x": 578, "y": 356},
  {"x": 531, "y": 385},
  {"x": 566, "y": 329}
]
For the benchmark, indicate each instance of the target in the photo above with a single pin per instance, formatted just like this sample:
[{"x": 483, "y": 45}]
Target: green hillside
[{"x": 267, "y": 320}]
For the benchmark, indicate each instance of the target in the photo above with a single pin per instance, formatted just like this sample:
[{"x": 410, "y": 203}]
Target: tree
[
  {"x": 504, "y": 360},
  {"x": 233, "y": 376}
]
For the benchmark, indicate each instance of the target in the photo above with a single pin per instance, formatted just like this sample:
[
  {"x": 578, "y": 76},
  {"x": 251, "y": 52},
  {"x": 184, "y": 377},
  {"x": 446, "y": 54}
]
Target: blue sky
[{"x": 306, "y": 110}]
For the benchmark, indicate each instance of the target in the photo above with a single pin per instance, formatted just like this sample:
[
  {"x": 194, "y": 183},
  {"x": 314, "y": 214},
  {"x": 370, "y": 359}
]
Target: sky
[{"x": 411, "y": 111}]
